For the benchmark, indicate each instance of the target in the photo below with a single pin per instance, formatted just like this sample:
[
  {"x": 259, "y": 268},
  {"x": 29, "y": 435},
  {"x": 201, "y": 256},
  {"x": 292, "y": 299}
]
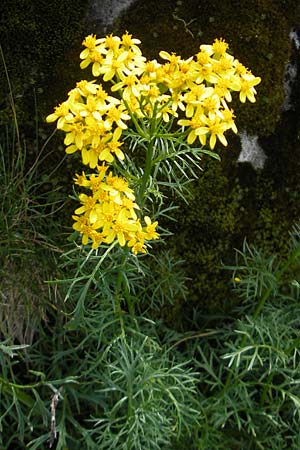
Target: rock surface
[{"x": 104, "y": 12}]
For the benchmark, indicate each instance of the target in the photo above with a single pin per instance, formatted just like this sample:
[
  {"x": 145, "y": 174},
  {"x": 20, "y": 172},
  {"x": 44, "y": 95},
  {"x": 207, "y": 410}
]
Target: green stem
[
  {"x": 149, "y": 157},
  {"x": 122, "y": 291},
  {"x": 146, "y": 174},
  {"x": 129, "y": 302},
  {"x": 11, "y": 388},
  {"x": 118, "y": 301},
  {"x": 137, "y": 126},
  {"x": 266, "y": 389}
]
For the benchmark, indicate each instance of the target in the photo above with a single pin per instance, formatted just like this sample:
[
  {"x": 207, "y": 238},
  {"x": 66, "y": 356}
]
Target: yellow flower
[
  {"x": 85, "y": 228},
  {"x": 91, "y": 155},
  {"x": 173, "y": 65},
  {"x": 215, "y": 128},
  {"x": 219, "y": 47},
  {"x": 228, "y": 118},
  {"x": 116, "y": 185},
  {"x": 90, "y": 43},
  {"x": 130, "y": 205},
  {"x": 62, "y": 114},
  {"x": 116, "y": 114},
  {"x": 150, "y": 93},
  {"x": 109, "y": 214},
  {"x": 224, "y": 65},
  {"x": 150, "y": 70},
  {"x": 106, "y": 214},
  {"x": 96, "y": 180},
  {"x": 80, "y": 223},
  {"x": 206, "y": 73},
  {"x": 195, "y": 96},
  {"x": 150, "y": 229},
  {"x": 136, "y": 240},
  {"x": 130, "y": 87},
  {"x": 120, "y": 228},
  {"x": 81, "y": 180},
  {"x": 240, "y": 69},
  {"x": 111, "y": 43},
  {"x": 91, "y": 54},
  {"x": 138, "y": 247},
  {"x": 222, "y": 88},
  {"x": 203, "y": 57},
  {"x": 248, "y": 81},
  {"x": 130, "y": 43},
  {"x": 195, "y": 123},
  {"x": 211, "y": 106},
  {"x": 97, "y": 131},
  {"x": 88, "y": 207},
  {"x": 104, "y": 99},
  {"x": 110, "y": 148},
  {"x": 97, "y": 239},
  {"x": 75, "y": 135},
  {"x": 85, "y": 87},
  {"x": 114, "y": 66}
]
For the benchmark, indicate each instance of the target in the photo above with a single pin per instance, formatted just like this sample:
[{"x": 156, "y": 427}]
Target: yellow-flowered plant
[{"x": 144, "y": 95}]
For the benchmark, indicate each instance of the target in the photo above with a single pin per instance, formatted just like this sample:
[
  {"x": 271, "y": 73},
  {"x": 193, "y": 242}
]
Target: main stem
[
  {"x": 146, "y": 174},
  {"x": 118, "y": 297},
  {"x": 151, "y": 135},
  {"x": 123, "y": 292}
]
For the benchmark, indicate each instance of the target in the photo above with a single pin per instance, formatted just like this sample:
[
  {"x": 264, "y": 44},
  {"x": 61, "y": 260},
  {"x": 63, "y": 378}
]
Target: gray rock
[{"x": 103, "y": 13}]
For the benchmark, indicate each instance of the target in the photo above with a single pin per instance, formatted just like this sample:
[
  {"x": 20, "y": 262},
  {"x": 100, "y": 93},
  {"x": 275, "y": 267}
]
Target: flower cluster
[
  {"x": 109, "y": 213},
  {"x": 93, "y": 122},
  {"x": 195, "y": 92}
]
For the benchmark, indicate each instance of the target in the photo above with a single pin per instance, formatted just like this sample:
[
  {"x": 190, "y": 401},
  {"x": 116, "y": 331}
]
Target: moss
[
  {"x": 205, "y": 235},
  {"x": 41, "y": 41},
  {"x": 37, "y": 36},
  {"x": 257, "y": 31}
]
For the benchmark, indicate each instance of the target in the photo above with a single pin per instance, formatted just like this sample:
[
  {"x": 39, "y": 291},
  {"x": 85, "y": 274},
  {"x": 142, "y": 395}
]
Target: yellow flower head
[
  {"x": 110, "y": 213},
  {"x": 130, "y": 43},
  {"x": 219, "y": 47},
  {"x": 248, "y": 81}
]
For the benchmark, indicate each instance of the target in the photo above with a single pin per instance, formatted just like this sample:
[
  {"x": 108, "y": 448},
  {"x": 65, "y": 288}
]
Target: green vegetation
[
  {"x": 207, "y": 355},
  {"x": 79, "y": 382}
]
